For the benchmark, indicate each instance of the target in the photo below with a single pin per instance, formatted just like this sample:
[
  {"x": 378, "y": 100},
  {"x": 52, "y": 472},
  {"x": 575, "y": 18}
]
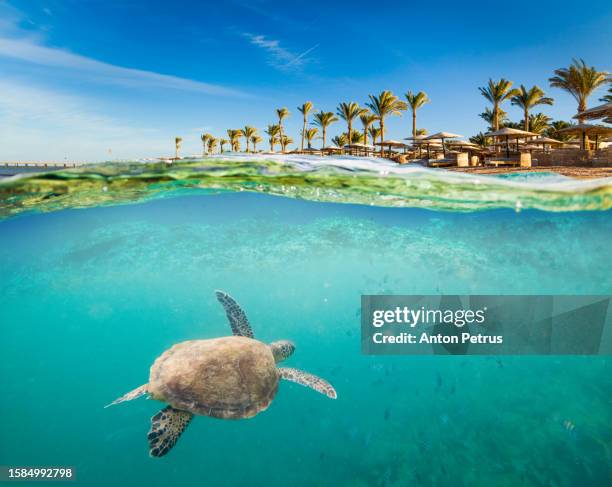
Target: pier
[{"x": 12, "y": 168}]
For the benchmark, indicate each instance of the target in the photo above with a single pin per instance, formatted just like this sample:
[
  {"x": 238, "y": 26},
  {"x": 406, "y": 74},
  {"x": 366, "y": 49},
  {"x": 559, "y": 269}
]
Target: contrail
[{"x": 297, "y": 58}]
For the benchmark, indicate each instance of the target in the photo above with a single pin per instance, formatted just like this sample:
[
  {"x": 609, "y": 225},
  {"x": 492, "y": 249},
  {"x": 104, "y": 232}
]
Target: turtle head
[{"x": 282, "y": 350}]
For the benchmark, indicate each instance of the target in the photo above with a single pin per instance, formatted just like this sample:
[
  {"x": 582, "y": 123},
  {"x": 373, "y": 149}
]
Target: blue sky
[{"x": 80, "y": 77}]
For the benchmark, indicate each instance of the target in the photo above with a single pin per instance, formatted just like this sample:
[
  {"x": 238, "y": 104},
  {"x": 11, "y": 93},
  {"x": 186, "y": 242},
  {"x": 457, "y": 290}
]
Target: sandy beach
[{"x": 570, "y": 171}]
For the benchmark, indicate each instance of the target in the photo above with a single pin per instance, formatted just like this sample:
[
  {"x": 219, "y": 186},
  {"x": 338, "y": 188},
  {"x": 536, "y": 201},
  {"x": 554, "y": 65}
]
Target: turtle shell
[{"x": 231, "y": 377}]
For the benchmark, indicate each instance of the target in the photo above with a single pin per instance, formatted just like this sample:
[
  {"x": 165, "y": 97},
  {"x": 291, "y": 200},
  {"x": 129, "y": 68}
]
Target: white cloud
[
  {"x": 280, "y": 57},
  {"x": 41, "y": 124},
  {"x": 31, "y": 51}
]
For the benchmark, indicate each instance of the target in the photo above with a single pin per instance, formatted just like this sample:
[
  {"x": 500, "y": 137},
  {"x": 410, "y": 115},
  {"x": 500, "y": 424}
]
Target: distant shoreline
[{"x": 576, "y": 172}]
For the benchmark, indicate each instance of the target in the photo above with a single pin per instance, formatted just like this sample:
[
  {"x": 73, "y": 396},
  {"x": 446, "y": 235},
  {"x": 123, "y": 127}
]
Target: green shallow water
[
  {"x": 91, "y": 297},
  {"x": 330, "y": 179}
]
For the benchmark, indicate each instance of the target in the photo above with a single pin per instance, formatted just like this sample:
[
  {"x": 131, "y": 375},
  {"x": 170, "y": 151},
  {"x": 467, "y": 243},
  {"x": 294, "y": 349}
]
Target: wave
[{"x": 340, "y": 179}]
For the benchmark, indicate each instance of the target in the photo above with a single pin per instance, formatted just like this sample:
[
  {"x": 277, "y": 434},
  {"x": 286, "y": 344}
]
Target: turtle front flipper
[
  {"x": 139, "y": 391},
  {"x": 166, "y": 428},
  {"x": 237, "y": 318},
  {"x": 308, "y": 380}
]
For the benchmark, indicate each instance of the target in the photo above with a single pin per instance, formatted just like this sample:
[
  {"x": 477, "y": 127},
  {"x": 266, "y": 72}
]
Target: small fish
[
  {"x": 438, "y": 379},
  {"x": 452, "y": 390},
  {"x": 322, "y": 455},
  {"x": 387, "y": 414},
  {"x": 500, "y": 364},
  {"x": 443, "y": 469},
  {"x": 570, "y": 428},
  {"x": 378, "y": 382}
]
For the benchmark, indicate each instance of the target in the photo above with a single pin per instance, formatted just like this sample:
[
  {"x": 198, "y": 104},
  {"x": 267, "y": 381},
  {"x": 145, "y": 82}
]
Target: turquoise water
[{"x": 90, "y": 297}]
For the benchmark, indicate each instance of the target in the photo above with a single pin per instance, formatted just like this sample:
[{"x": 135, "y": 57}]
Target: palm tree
[
  {"x": 580, "y": 81},
  {"x": 212, "y": 144},
  {"x": 234, "y": 138},
  {"x": 607, "y": 98},
  {"x": 480, "y": 139},
  {"x": 383, "y": 105},
  {"x": 305, "y": 109},
  {"x": 355, "y": 138},
  {"x": 529, "y": 98},
  {"x": 348, "y": 112},
  {"x": 247, "y": 133},
  {"x": 339, "y": 140},
  {"x": 205, "y": 138},
  {"x": 367, "y": 119},
  {"x": 324, "y": 119},
  {"x": 539, "y": 122},
  {"x": 222, "y": 142},
  {"x": 497, "y": 92},
  {"x": 273, "y": 131},
  {"x": 553, "y": 130},
  {"x": 415, "y": 102},
  {"x": 255, "y": 139},
  {"x": 177, "y": 146},
  {"x": 374, "y": 133},
  {"x": 285, "y": 141},
  {"x": 282, "y": 113},
  {"x": 421, "y": 131},
  {"x": 310, "y": 134},
  {"x": 502, "y": 118}
]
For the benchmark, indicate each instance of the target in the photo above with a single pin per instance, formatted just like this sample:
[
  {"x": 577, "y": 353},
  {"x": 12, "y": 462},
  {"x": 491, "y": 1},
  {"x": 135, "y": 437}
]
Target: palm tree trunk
[
  {"x": 280, "y": 129},
  {"x": 526, "y": 124},
  {"x": 413, "y": 123},
  {"x": 303, "y": 130},
  {"x": 365, "y": 134},
  {"x": 582, "y": 106},
  {"x": 247, "y": 144},
  {"x": 348, "y": 135},
  {"x": 382, "y": 135},
  {"x": 324, "y": 136},
  {"x": 496, "y": 117}
]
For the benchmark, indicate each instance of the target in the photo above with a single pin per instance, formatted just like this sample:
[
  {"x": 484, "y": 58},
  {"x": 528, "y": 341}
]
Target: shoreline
[{"x": 576, "y": 172}]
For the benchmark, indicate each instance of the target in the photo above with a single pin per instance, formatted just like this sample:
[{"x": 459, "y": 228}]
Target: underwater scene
[{"x": 105, "y": 267}]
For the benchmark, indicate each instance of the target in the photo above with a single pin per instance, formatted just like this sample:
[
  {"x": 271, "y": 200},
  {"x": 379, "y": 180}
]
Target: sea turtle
[{"x": 232, "y": 377}]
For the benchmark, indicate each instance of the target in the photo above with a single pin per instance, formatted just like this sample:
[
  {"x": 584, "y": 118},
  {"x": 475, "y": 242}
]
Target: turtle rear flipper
[
  {"x": 308, "y": 380},
  {"x": 235, "y": 315},
  {"x": 166, "y": 428},
  {"x": 139, "y": 391}
]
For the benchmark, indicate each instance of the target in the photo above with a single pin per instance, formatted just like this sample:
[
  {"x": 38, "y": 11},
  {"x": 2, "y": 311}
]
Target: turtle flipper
[
  {"x": 308, "y": 380},
  {"x": 139, "y": 391},
  {"x": 166, "y": 428},
  {"x": 237, "y": 318}
]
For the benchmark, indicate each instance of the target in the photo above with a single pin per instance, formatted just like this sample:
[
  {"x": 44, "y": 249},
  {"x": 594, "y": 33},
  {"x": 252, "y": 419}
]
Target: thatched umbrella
[
  {"x": 442, "y": 136},
  {"x": 415, "y": 139},
  {"x": 389, "y": 143},
  {"x": 544, "y": 140},
  {"x": 437, "y": 143},
  {"x": 360, "y": 147},
  {"x": 585, "y": 129},
  {"x": 596, "y": 113},
  {"x": 509, "y": 133}
]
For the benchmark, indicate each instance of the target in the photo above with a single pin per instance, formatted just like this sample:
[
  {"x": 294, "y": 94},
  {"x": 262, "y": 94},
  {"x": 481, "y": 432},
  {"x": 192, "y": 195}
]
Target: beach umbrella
[
  {"x": 509, "y": 133},
  {"x": 544, "y": 140},
  {"x": 442, "y": 136},
  {"x": 390, "y": 143},
  {"x": 596, "y": 113},
  {"x": 585, "y": 129}
]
